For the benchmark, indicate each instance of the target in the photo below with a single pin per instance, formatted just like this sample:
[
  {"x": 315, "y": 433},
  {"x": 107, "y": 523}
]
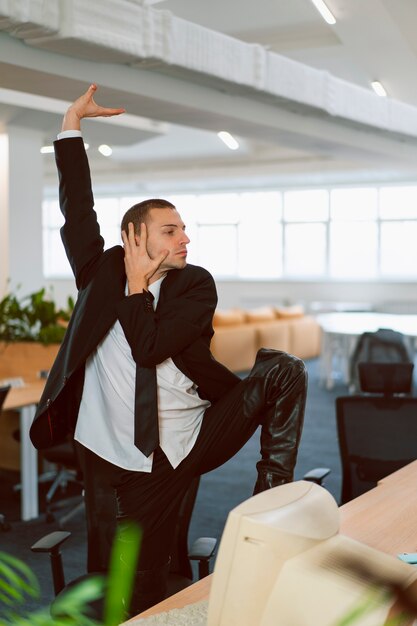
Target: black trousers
[{"x": 153, "y": 499}]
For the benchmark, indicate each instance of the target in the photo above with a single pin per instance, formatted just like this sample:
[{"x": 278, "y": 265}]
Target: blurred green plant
[
  {"x": 33, "y": 318},
  {"x": 368, "y": 604},
  {"x": 18, "y": 583}
]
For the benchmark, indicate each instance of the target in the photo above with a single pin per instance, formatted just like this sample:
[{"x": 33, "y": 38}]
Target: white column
[{"x": 25, "y": 185}]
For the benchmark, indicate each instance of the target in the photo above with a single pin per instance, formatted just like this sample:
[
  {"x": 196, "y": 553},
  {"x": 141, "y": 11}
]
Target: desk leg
[{"x": 28, "y": 466}]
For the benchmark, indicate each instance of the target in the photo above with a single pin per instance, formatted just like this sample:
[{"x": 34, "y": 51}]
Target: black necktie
[
  {"x": 146, "y": 410},
  {"x": 146, "y": 402}
]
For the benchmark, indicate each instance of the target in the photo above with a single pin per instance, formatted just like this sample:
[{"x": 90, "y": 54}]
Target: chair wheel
[{"x": 50, "y": 517}]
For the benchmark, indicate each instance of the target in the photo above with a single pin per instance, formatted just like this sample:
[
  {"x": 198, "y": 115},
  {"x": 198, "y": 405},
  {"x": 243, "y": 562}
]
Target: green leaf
[
  {"x": 17, "y": 579},
  {"x": 123, "y": 565},
  {"x": 79, "y": 596}
]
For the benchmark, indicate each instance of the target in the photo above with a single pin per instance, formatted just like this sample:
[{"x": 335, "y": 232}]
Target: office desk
[
  {"x": 383, "y": 518},
  {"x": 24, "y": 399}
]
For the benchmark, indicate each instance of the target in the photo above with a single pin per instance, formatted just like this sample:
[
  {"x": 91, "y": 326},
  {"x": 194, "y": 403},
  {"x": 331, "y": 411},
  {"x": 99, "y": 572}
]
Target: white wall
[{"x": 250, "y": 294}]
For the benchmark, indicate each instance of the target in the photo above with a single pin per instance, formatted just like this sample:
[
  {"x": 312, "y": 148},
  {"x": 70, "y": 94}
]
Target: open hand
[
  {"x": 140, "y": 268},
  {"x": 85, "y": 106}
]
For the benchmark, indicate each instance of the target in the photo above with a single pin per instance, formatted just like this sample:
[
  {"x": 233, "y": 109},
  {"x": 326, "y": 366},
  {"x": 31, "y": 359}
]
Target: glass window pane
[
  {"x": 219, "y": 208},
  {"x": 55, "y": 262},
  {"x": 305, "y": 250},
  {"x": 107, "y": 210},
  {"x": 311, "y": 205},
  {"x": 353, "y": 250},
  {"x": 398, "y": 203},
  {"x": 260, "y": 237},
  {"x": 217, "y": 249},
  {"x": 398, "y": 248},
  {"x": 52, "y": 216},
  {"x": 111, "y": 235},
  {"x": 269, "y": 203},
  {"x": 353, "y": 204}
]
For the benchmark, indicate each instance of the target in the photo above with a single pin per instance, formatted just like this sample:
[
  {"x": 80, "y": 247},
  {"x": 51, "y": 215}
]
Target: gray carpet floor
[{"x": 219, "y": 492}]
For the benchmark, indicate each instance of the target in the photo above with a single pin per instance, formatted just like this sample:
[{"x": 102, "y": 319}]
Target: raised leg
[{"x": 276, "y": 390}]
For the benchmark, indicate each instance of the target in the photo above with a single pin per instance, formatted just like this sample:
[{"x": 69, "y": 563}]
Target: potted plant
[{"x": 31, "y": 329}]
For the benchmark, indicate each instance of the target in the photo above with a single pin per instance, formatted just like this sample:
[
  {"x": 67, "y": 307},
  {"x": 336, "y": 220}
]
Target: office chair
[
  {"x": 180, "y": 575},
  {"x": 383, "y": 346},
  {"x": 68, "y": 471},
  {"x": 4, "y": 525},
  {"x": 377, "y": 430}
]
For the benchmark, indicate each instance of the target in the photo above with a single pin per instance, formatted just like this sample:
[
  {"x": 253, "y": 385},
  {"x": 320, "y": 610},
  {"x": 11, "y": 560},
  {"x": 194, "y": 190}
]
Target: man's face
[{"x": 166, "y": 231}]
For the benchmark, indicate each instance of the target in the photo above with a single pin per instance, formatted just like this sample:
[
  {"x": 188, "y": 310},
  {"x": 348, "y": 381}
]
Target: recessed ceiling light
[
  {"x": 379, "y": 88},
  {"x": 105, "y": 150},
  {"x": 324, "y": 11},
  {"x": 228, "y": 140}
]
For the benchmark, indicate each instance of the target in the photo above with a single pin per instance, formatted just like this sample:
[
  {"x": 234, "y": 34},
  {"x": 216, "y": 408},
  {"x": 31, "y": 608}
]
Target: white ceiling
[{"x": 372, "y": 39}]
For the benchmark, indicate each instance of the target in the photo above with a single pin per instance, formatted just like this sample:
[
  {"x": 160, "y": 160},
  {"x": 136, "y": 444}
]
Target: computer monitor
[{"x": 279, "y": 563}]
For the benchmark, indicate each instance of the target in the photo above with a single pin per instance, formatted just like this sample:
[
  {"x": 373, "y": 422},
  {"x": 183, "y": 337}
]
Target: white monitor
[{"x": 279, "y": 563}]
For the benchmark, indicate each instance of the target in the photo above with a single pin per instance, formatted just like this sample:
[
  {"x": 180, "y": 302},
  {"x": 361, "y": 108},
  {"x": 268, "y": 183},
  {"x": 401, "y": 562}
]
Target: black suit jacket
[{"x": 180, "y": 328}]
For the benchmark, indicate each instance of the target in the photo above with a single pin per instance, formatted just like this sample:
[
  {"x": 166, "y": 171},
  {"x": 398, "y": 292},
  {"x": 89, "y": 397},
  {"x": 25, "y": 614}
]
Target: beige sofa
[{"x": 239, "y": 334}]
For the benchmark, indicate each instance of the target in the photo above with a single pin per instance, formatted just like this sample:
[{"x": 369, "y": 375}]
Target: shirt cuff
[{"x": 66, "y": 134}]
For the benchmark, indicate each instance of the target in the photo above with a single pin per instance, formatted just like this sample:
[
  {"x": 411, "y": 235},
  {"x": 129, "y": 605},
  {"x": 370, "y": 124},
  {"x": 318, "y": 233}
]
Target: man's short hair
[{"x": 138, "y": 213}]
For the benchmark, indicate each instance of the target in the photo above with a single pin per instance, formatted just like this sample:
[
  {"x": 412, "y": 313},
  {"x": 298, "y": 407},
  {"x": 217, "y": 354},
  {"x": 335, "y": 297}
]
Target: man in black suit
[{"x": 134, "y": 379}]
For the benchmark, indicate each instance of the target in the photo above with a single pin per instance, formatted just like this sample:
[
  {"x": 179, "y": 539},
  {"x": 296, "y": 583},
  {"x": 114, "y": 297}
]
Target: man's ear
[{"x": 137, "y": 239}]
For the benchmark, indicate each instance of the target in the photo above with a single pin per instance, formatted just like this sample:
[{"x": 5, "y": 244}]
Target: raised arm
[
  {"x": 81, "y": 232},
  {"x": 85, "y": 106}
]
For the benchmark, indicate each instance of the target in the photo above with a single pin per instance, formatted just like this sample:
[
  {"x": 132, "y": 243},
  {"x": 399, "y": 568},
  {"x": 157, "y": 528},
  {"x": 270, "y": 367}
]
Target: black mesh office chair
[
  {"x": 67, "y": 472},
  {"x": 382, "y": 346},
  {"x": 180, "y": 575},
  {"x": 377, "y": 429},
  {"x": 4, "y": 525}
]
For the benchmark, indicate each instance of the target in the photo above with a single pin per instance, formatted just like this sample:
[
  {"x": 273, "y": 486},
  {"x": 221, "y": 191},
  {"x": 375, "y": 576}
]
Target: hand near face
[
  {"x": 85, "y": 106},
  {"x": 140, "y": 268}
]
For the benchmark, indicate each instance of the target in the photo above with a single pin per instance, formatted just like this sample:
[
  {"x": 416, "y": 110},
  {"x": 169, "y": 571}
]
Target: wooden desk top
[
  {"x": 19, "y": 397},
  {"x": 383, "y": 518},
  {"x": 190, "y": 595},
  {"x": 401, "y": 477}
]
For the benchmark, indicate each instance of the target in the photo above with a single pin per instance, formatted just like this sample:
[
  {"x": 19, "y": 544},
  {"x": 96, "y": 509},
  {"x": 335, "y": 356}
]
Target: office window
[
  {"x": 305, "y": 250},
  {"x": 311, "y": 205},
  {"x": 398, "y": 248},
  {"x": 108, "y": 216},
  {"x": 353, "y": 250},
  {"x": 358, "y": 204},
  {"x": 55, "y": 262},
  {"x": 353, "y": 234},
  {"x": 304, "y": 235},
  {"x": 260, "y": 247},
  {"x": 217, "y": 249},
  {"x": 342, "y": 233},
  {"x": 398, "y": 203}
]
